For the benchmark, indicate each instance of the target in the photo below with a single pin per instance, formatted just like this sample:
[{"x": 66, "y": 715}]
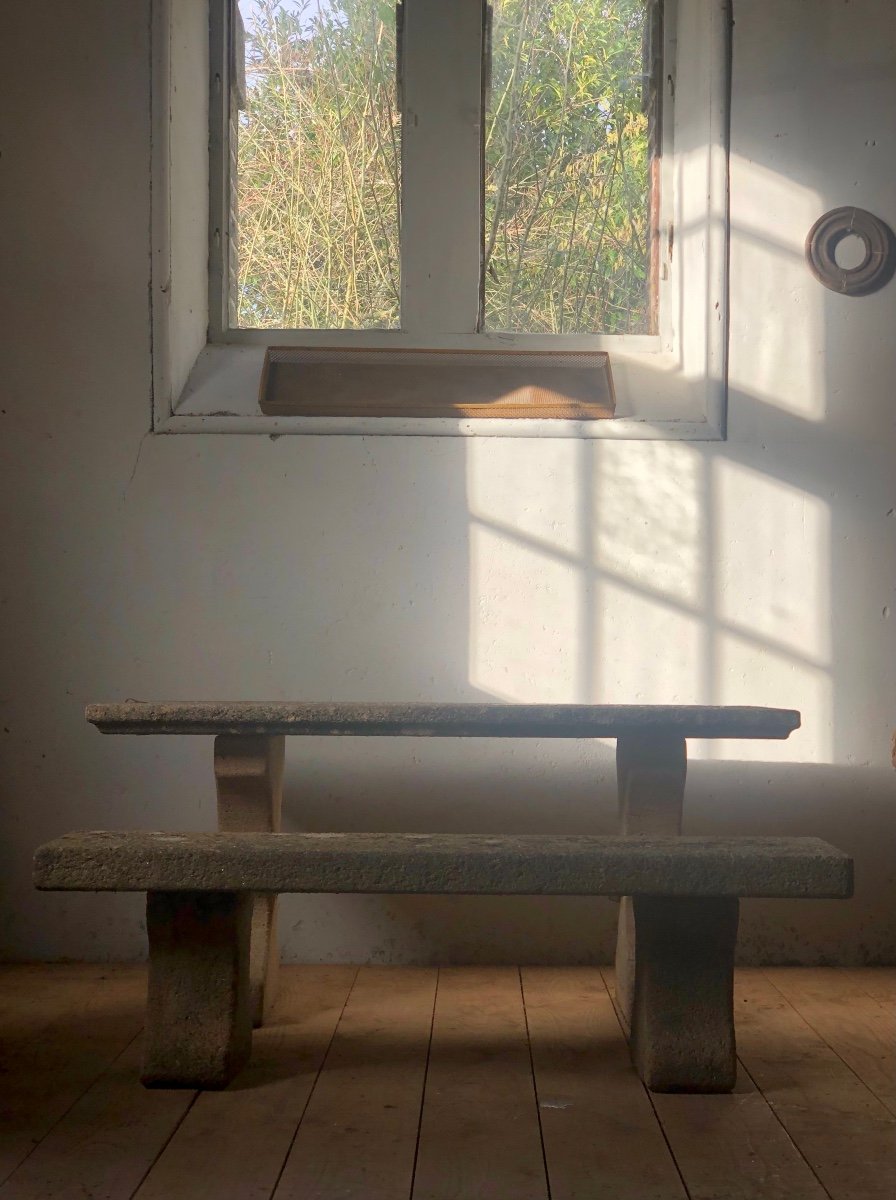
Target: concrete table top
[{"x": 271, "y": 717}]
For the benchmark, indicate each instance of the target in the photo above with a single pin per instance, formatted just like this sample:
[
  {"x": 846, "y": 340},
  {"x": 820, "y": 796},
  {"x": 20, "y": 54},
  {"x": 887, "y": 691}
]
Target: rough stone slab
[
  {"x": 198, "y": 1021},
  {"x": 477, "y": 864},
  {"x": 682, "y": 1026},
  {"x": 249, "y": 782},
  {"x": 441, "y": 720},
  {"x": 651, "y": 770}
]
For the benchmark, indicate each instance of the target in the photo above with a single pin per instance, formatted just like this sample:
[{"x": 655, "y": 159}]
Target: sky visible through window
[{"x": 307, "y": 8}]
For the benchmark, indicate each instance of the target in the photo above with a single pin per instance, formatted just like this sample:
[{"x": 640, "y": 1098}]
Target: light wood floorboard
[
  {"x": 461, "y": 1084},
  {"x": 879, "y": 983},
  {"x": 596, "y": 1117},
  {"x": 842, "y": 1130},
  {"x": 862, "y": 1034},
  {"x": 732, "y": 1146},
  {"x": 106, "y": 1142},
  {"x": 358, "y": 1137},
  {"x": 60, "y": 1029},
  {"x": 232, "y": 1144},
  {"x": 480, "y": 1117}
]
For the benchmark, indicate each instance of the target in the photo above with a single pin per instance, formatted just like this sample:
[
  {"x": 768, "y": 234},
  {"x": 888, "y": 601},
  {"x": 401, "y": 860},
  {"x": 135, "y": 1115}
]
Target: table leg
[
  {"x": 198, "y": 1027},
  {"x": 650, "y": 771},
  {"x": 682, "y": 1035},
  {"x": 249, "y": 779}
]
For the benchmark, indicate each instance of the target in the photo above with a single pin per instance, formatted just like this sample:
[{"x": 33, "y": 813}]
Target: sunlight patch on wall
[
  {"x": 776, "y": 351},
  {"x": 772, "y": 599},
  {"x": 772, "y": 570},
  {"x": 524, "y": 621},
  {"x": 648, "y": 522},
  {"x": 645, "y": 651},
  {"x": 531, "y": 489},
  {"x": 747, "y": 673}
]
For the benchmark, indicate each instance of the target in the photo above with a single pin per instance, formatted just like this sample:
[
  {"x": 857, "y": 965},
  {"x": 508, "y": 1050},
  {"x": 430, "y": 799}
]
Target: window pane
[
  {"x": 318, "y": 166},
  {"x": 570, "y": 126}
]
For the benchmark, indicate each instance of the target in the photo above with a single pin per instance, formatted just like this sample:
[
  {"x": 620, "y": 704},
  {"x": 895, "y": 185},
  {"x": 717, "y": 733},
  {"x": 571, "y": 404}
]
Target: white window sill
[{"x": 221, "y": 396}]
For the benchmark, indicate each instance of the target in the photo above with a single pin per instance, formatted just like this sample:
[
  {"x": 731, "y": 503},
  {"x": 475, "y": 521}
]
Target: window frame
[{"x": 205, "y": 374}]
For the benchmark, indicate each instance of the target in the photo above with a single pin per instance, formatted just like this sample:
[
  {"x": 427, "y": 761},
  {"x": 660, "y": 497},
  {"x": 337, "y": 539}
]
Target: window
[
  {"x": 527, "y": 175},
  {"x": 552, "y": 192},
  {"x": 571, "y": 152},
  {"x": 315, "y": 166}
]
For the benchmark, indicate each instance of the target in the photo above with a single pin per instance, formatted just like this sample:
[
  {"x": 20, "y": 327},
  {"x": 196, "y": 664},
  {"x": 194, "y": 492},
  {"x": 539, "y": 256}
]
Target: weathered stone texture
[
  {"x": 651, "y": 769},
  {"x": 202, "y": 887},
  {"x": 682, "y": 1028},
  {"x": 441, "y": 720},
  {"x": 249, "y": 781},
  {"x": 482, "y": 864},
  {"x": 198, "y": 1023}
]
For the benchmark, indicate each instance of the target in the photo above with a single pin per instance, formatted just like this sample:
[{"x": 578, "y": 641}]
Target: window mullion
[{"x": 441, "y": 229}]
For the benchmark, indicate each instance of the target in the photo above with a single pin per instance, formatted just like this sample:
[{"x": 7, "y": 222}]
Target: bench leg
[
  {"x": 249, "y": 779},
  {"x": 198, "y": 1026},
  {"x": 650, "y": 773},
  {"x": 682, "y": 1035}
]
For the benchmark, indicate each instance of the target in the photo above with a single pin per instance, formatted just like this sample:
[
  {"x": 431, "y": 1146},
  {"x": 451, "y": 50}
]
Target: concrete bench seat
[
  {"x": 200, "y": 889},
  {"x": 651, "y": 768}
]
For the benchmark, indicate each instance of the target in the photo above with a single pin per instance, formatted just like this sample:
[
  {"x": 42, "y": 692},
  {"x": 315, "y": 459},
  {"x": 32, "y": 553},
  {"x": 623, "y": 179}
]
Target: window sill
[{"x": 221, "y": 396}]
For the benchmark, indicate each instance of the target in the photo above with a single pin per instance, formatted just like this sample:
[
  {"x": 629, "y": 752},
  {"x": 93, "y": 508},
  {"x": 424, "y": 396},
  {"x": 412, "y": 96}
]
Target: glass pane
[
  {"x": 569, "y": 135},
  {"x": 318, "y": 166}
]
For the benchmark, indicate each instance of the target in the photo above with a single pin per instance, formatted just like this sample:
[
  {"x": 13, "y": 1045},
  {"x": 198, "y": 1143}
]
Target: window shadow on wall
[{"x": 754, "y": 571}]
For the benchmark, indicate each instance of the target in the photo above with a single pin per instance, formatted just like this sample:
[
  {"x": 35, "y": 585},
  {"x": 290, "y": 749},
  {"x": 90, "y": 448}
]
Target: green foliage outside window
[{"x": 567, "y": 171}]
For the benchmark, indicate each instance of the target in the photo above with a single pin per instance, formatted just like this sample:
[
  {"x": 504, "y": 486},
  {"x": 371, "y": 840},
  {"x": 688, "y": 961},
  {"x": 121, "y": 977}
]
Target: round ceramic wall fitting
[{"x": 872, "y": 271}]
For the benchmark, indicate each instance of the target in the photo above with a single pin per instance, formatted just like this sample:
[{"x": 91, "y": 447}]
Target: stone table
[{"x": 651, "y": 765}]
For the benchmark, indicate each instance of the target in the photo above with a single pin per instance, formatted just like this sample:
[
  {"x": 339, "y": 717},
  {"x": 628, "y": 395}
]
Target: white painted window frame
[{"x": 205, "y": 376}]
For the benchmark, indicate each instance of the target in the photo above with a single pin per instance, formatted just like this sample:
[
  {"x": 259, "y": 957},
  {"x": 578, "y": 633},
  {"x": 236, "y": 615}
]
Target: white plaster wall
[{"x": 756, "y": 571}]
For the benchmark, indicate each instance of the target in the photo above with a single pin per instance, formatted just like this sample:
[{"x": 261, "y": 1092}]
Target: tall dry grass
[{"x": 566, "y": 186}]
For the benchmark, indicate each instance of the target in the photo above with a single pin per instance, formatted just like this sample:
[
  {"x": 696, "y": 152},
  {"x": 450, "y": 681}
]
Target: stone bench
[
  {"x": 200, "y": 889},
  {"x": 651, "y": 767}
]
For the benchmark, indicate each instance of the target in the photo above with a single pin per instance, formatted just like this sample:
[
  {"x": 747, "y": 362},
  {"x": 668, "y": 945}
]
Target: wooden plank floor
[{"x": 470, "y": 1083}]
